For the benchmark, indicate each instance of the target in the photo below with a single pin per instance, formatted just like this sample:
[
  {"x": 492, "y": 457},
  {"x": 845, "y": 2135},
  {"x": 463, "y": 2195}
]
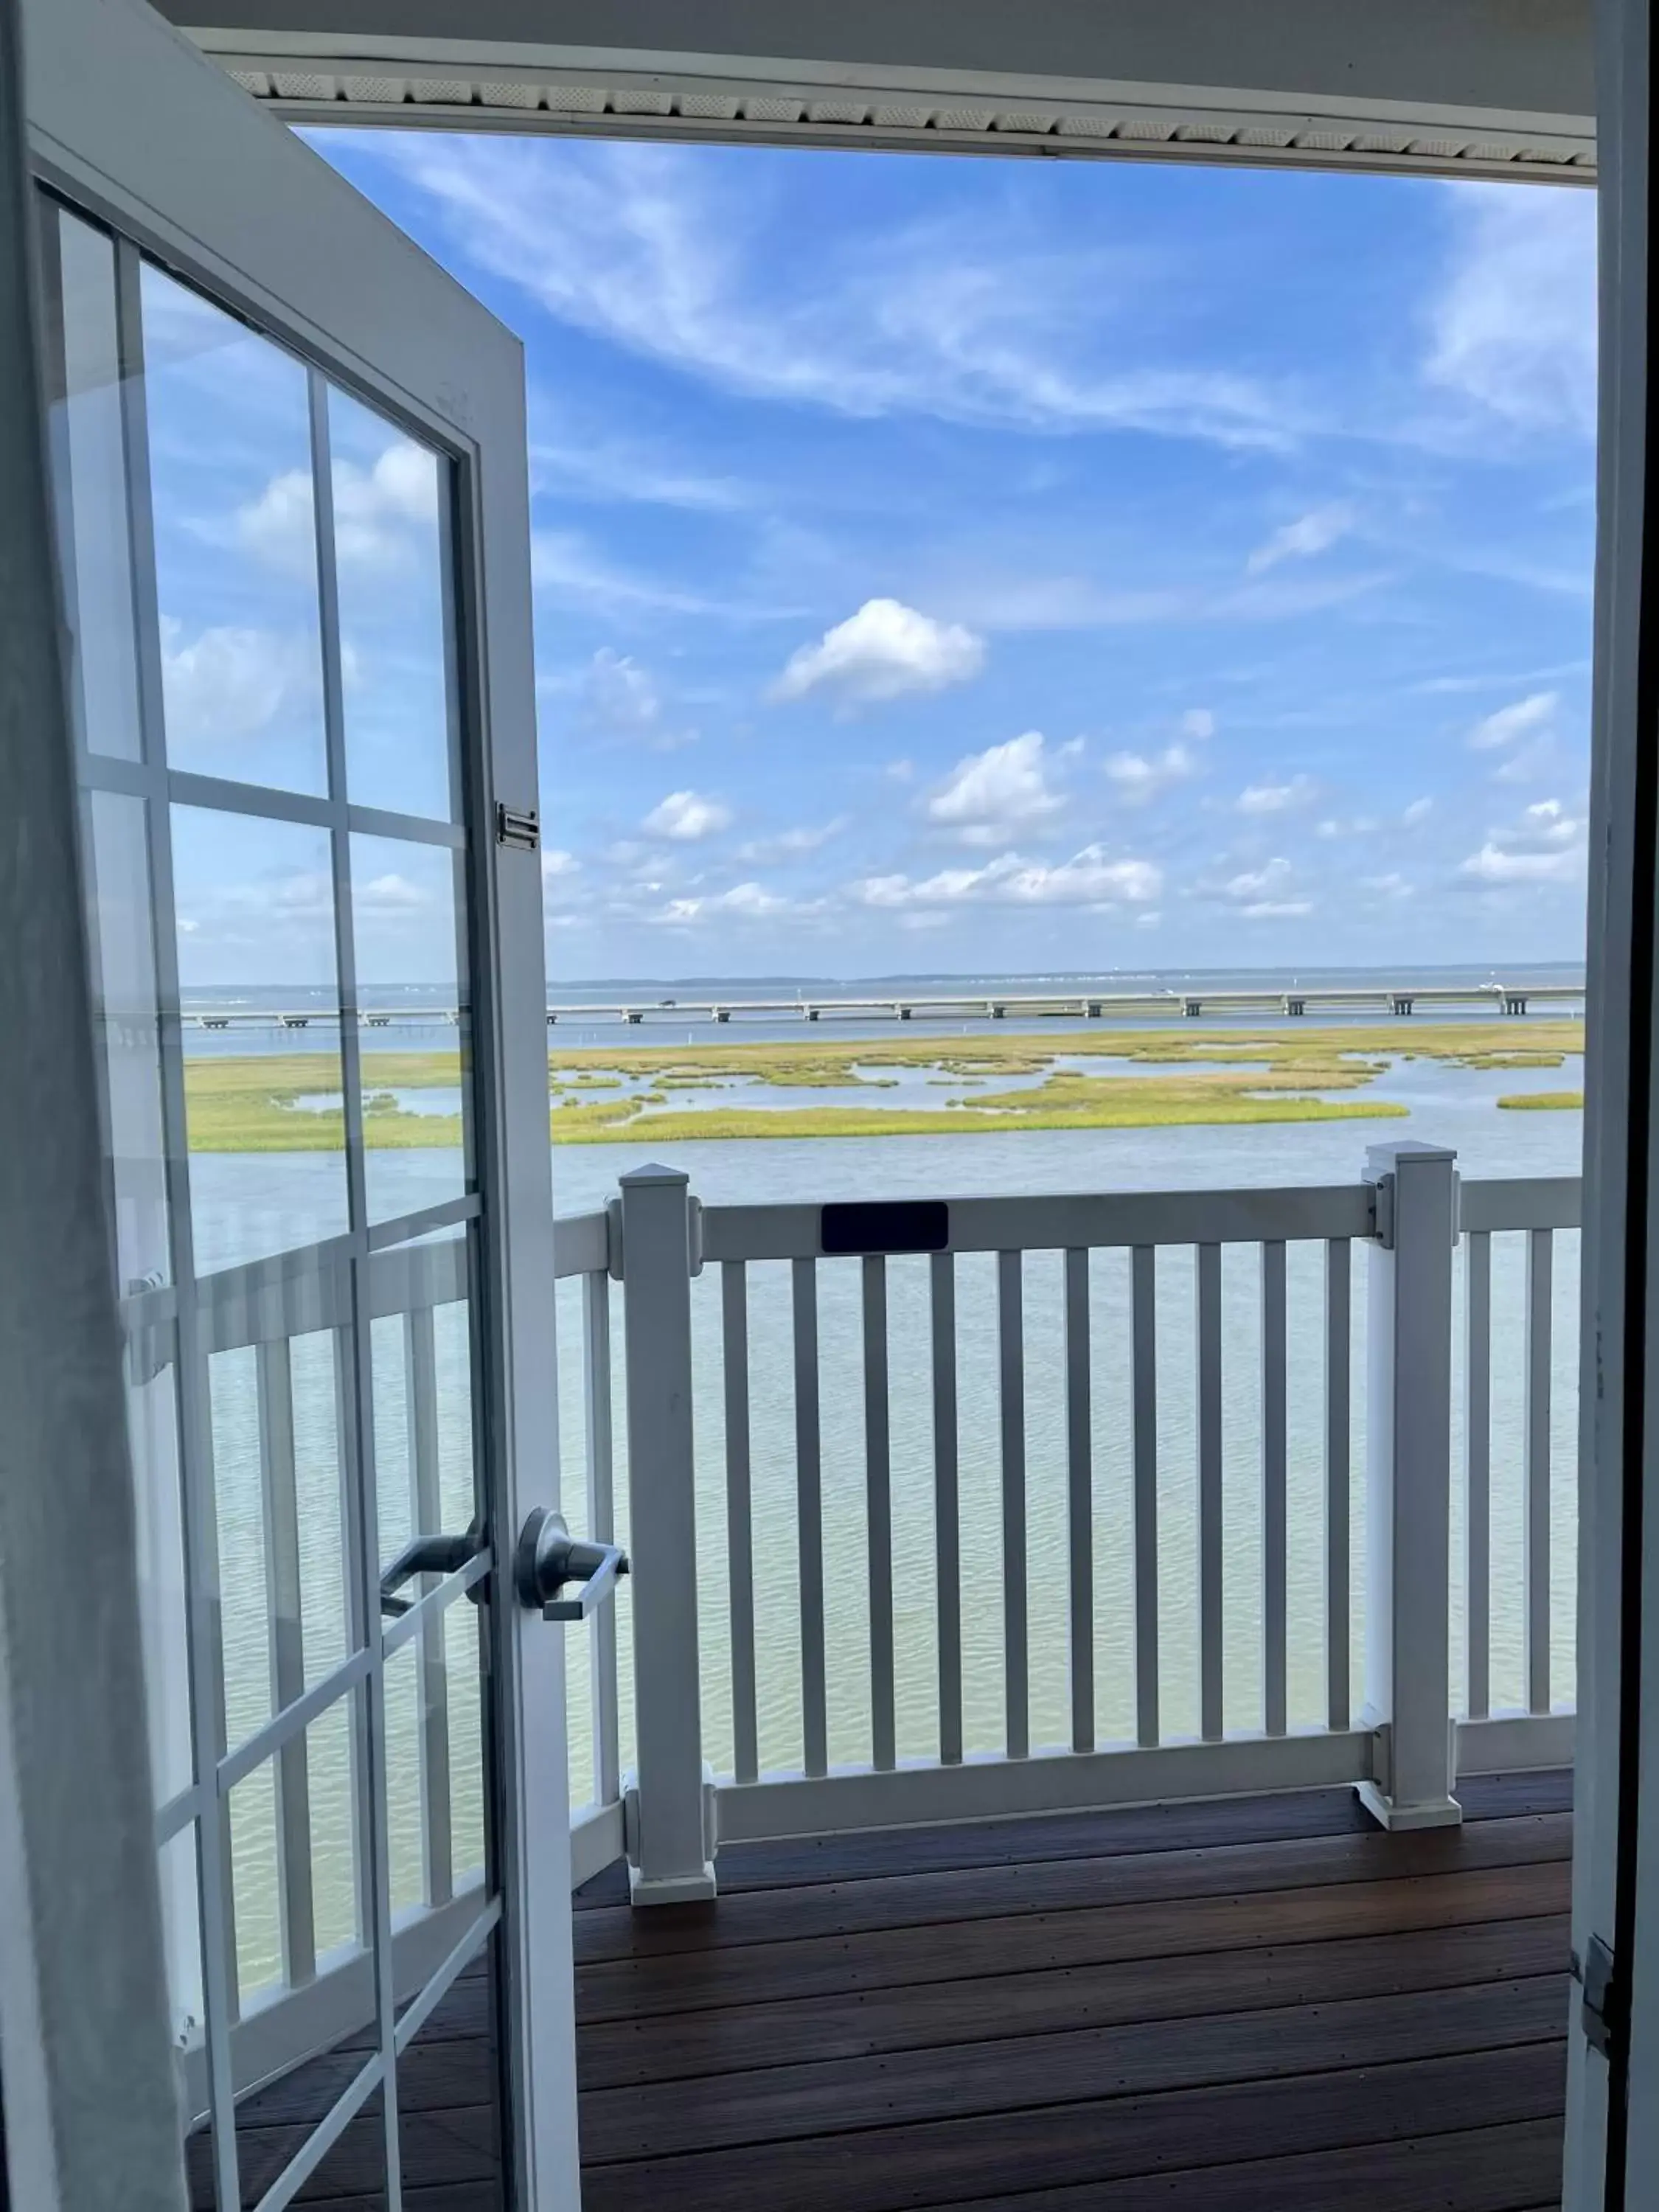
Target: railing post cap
[
  {"x": 1383, "y": 1159},
  {"x": 653, "y": 1173}
]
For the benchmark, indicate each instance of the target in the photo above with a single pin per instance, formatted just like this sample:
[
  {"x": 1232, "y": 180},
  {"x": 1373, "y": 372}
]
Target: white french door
[{"x": 288, "y": 469}]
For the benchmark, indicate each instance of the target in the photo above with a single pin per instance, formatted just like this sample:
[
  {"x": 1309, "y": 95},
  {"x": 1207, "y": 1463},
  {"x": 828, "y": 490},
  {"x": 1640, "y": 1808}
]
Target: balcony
[{"x": 1192, "y": 1818}]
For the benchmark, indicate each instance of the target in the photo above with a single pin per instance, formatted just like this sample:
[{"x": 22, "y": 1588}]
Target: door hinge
[
  {"x": 517, "y": 828},
  {"x": 1606, "y": 2007}
]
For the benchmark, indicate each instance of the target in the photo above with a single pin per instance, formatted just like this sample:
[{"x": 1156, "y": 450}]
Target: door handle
[
  {"x": 548, "y": 1557},
  {"x": 426, "y": 1555}
]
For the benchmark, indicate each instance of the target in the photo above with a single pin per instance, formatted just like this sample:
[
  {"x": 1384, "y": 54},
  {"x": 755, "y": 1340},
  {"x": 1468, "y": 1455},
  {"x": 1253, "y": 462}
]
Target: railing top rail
[
  {"x": 1069, "y": 1223},
  {"x": 1521, "y": 1202},
  {"x": 1083, "y": 1220},
  {"x": 581, "y": 1244}
]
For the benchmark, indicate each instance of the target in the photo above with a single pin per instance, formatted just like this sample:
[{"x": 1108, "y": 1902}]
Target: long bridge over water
[{"x": 1290, "y": 1001}]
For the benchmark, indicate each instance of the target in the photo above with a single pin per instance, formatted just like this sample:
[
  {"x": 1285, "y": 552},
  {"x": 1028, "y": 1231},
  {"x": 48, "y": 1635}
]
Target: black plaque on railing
[{"x": 905, "y": 1224}]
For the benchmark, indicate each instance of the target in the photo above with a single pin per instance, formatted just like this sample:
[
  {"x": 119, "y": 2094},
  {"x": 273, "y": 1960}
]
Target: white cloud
[
  {"x": 383, "y": 514},
  {"x": 884, "y": 651},
  {"x": 1088, "y": 878},
  {"x": 388, "y": 895},
  {"x": 559, "y": 867},
  {"x": 620, "y": 694},
  {"x": 1265, "y": 894},
  {"x": 1526, "y": 717},
  {"x": 1198, "y": 722},
  {"x": 1514, "y": 328},
  {"x": 792, "y": 844},
  {"x": 1301, "y": 540},
  {"x": 988, "y": 796},
  {"x": 660, "y": 251},
  {"x": 1139, "y": 777},
  {"x": 1529, "y": 763},
  {"x": 1493, "y": 864},
  {"x": 227, "y": 684},
  {"x": 1392, "y": 886},
  {"x": 1544, "y": 846},
  {"x": 622, "y": 700},
  {"x": 604, "y": 470},
  {"x": 280, "y": 526},
  {"x": 686, "y": 816},
  {"x": 744, "y": 903},
  {"x": 570, "y": 572},
  {"x": 1418, "y": 811},
  {"x": 1258, "y": 798}
]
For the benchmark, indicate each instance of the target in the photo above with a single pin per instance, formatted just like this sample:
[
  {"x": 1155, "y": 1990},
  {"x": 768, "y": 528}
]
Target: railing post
[
  {"x": 669, "y": 1803},
  {"x": 1408, "y": 1487}
]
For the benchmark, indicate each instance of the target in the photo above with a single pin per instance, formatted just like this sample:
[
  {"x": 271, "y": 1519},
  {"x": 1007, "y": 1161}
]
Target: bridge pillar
[
  {"x": 811, "y": 1013},
  {"x": 998, "y": 1013},
  {"x": 1295, "y": 1006},
  {"x": 634, "y": 1016},
  {"x": 1091, "y": 1010},
  {"x": 904, "y": 1013},
  {"x": 1514, "y": 1003},
  {"x": 722, "y": 1013},
  {"x": 1402, "y": 1004},
  {"x": 1192, "y": 1008}
]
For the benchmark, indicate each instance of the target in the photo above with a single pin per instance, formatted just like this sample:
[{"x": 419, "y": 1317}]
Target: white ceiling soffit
[{"x": 1488, "y": 87}]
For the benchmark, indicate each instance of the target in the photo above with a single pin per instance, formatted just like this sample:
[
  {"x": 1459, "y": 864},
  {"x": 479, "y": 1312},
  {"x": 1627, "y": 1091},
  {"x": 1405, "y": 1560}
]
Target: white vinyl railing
[{"x": 1411, "y": 1730}]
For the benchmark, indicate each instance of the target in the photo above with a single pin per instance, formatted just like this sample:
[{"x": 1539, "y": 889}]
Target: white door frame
[
  {"x": 130, "y": 121},
  {"x": 1613, "y": 2140},
  {"x": 90, "y": 2119}
]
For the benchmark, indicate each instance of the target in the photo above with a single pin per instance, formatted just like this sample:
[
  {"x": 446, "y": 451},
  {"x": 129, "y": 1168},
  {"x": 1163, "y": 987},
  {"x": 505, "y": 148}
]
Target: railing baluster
[
  {"x": 602, "y": 1525},
  {"x": 947, "y": 1538},
  {"x": 1540, "y": 1285},
  {"x": 420, "y": 1383},
  {"x": 1210, "y": 1626},
  {"x": 1142, "y": 1335},
  {"x": 740, "y": 1517},
  {"x": 1476, "y": 1461},
  {"x": 809, "y": 1511},
  {"x": 1079, "y": 1480},
  {"x": 348, "y": 1435},
  {"x": 1011, "y": 1339},
  {"x": 879, "y": 1509},
  {"x": 1274, "y": 1565},
  {"x": 1339, "y": 1445},
  {"x": 279, "y": 1496}
]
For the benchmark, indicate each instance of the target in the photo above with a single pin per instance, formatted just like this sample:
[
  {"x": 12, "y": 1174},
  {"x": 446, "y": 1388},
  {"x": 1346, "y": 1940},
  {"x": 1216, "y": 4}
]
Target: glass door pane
[{"x": 268, "y": 658}]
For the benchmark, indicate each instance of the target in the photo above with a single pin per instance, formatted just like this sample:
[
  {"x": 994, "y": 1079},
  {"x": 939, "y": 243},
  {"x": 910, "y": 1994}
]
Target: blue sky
[{"x": 965, "y": 564}]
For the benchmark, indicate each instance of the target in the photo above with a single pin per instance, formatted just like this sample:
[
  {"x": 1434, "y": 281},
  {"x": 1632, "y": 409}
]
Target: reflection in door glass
[
  {"x": 90, "y": 458},
  {"x": 235, "y": 545},
  {"x": 389, "y": 550},
  {"x": 405, "y": 901},
  {"x": 125, "y": 1007},
  {"x": 254, "y": 901}
]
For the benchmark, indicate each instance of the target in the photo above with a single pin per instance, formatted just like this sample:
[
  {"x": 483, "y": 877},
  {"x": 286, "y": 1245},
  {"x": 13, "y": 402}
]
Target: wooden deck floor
[
  {"x": 1260, "y": 2005},
  {"x": 1254, "y": 2006}
]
